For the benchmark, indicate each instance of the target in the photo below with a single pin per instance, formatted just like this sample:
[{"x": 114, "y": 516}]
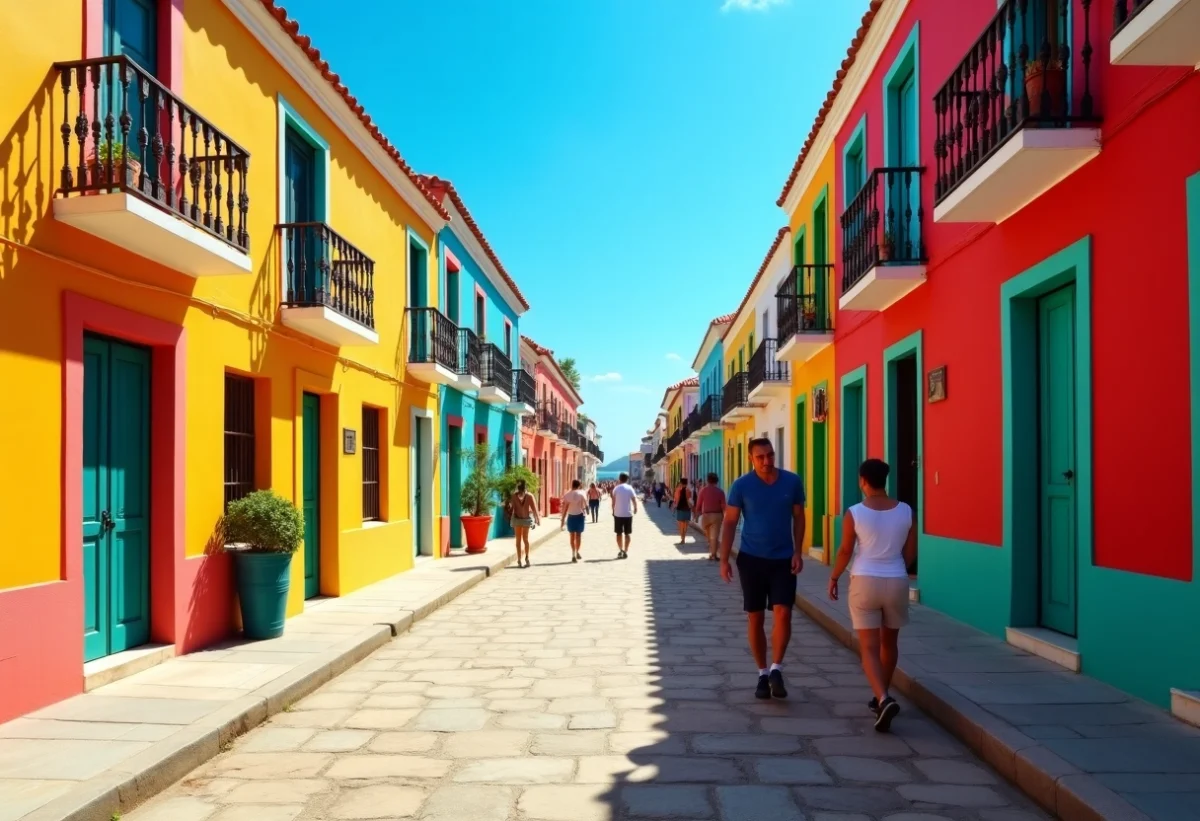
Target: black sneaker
[
  {"x": 888, "y": 709},
  {"x": 776, "y": 681},
  {"x": 873, "y": 705},
  {"x": 763, "y": 690}
]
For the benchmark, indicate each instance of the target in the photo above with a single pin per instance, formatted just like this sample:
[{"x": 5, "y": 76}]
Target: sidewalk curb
[
  {"x": 1054, "y": 784},
  {"x": 141, "y": 777}
]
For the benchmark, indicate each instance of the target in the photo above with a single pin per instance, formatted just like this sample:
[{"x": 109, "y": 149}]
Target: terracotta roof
[
  {"x": 690, "y": 382},
  {"x": 762, "y": 269},
  {"x": 440, "y": 188},
  {"x": 721, "y": 320},
  {"x": 542, "y": 350},
  {"x": 851, "y": 54},
  {"x": 292, "y": 27}
]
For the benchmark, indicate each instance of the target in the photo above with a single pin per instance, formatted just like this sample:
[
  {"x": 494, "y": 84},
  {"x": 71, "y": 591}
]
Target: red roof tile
[
  {"x": 721, "y": 320},
  {"x": 690, "y": 382},
  {"x": 851, "y": 54},
  {"x": 762, "y": 269},
  {"x": 440, "y": 188},
  {"x": 292, "y": 27}
]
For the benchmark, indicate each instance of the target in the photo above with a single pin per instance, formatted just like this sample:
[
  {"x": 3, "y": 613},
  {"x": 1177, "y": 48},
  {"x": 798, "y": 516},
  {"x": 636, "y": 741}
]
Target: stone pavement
[
  {"x": 112, "y": 748},
  {"x": 1080, "y": 747},
  {"x": 605, "y": 690}
]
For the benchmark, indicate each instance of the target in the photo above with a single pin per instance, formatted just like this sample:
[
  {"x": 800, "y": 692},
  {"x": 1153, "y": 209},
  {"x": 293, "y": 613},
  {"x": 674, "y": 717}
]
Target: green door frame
[
  {"x": 909, "y": 346},
  {"x": 311, "y": 493},
  {"x": 800, "y": 447},
  {"x": 854, "y": 380},
  {"x": 818, "y": 491}
]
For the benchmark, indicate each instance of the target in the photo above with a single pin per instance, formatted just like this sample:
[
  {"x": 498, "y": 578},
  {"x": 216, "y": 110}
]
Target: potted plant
[
  {"x": 887, "y": 246},
  {"x": 262, "y": 531},
  {"x": 125, "y": 169},
  {"x": 479, "y": 494},
  {"x": 1044, "y": 77},
  {"x": 810, "y": 315}
]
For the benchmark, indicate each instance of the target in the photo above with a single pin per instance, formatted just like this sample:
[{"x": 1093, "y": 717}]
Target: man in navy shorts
[{"x": 770, "y": 503}]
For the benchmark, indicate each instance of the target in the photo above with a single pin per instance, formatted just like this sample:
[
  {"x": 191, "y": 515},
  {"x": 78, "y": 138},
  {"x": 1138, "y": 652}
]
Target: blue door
[
  {"x": 300, "y": 206},
  {"x": 904, "y": 196},
  {"x": 131, "y": 29},
  {"x": 311, "y": 480}
]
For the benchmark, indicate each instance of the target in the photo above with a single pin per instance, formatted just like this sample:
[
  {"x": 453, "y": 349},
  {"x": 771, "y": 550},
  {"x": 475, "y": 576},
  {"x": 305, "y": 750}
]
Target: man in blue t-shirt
[{"x": 770, "y": 503}]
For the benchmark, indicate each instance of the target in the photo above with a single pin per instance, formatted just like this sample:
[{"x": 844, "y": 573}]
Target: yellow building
[
  {"x": 738, "y": 346},
  {"x": 215, "y": 290}
]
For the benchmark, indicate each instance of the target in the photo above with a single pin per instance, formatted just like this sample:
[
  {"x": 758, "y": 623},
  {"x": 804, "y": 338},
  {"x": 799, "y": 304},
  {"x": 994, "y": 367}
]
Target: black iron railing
[
  {"x": 661, "y": 453},
  {"x": 470, "y": 354},
  {"x": 883, "y": 225},
  {"x": 496, "y": 368},
  {"x": 694, "y": 421},
  {"x": 673, "y": 440},
  {"x": 805, "y": 301},
  {"x": 763, "y": 368},
  {"x": 1126, "y": 10},
  {"x": 710, "y": 410},
  {"x": 736, "y": 393},
  {"x": 432, "y": 338},
  {"x": 322, "y": 268},
  {"x": 548, "y": 419},
  {"x": 1022, "y": 72},
  {"x": 524, "y": 387},
  {"x": 131, "y": 134}
]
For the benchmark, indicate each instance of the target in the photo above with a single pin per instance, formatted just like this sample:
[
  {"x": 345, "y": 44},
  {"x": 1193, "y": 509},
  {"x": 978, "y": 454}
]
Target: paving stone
[
  {"x": 337, "y": 741},
  {"x": 647, "y": 801},
  {"x": 851, "y": 799},
  {"x": 526, "y": 770},
  {"x": 184, "y": 808},
  {"x": 532, "y": 721},
  {"x": 952, "y": 794},
  {"x": 388, "y": 766},
  {"x": 570, "y": 743},
  {"x": 397, "y": 701},
  {"x": 840, "y": 816},
  {"x": 276, "y": 740},
  {"x": 809, "y": 727},
  {"x": 578, "y": 704},
  {"x": 757, "y": 803},
  {"x": 853, "y": 768},
  {"x": 789, "y": 770},
  {"x": 601, "y": 720},
  {"x": 564, "y": 687},
  {"x": 568, "y": 803},
  {"x": 916, "y": 816},
  {"x": 271, "y": 765},
  {"x": 955, "y": 772},
  {"x": 876, "y": 745},
  {"x": 747, "y": 743},
  {"x": 450, "y": 721},
  {"x": 403, "y": 742},
  {"x": 272, "y": 792},
  {"x": 286, "y": 812},
  {"x": 380, "y": 719},
  {"x": 647, "y": 743},
  {"x": 320, "y": 719},
  {"x": 378, "y": 801},
  {"x": 330, "y": 701},
  {"x": 486, "y": 744}
]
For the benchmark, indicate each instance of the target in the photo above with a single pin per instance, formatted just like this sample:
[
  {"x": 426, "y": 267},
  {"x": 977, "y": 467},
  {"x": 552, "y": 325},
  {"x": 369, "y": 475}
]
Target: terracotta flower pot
[
  {"x": 476, "y": 529},
  {"x": 122, "y": 172},
  {"x": 1040, "y": 80}
]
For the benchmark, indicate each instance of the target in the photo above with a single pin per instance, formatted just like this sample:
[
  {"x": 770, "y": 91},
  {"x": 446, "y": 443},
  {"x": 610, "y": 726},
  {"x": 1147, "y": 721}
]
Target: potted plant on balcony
[
  {"x": 262, "y": 531},
  {"x": 479, "y": 495},
  {"x": 809, "y": 314},
  {"x": 1046, "y": 77},
  {"x": 887, "y": 246},
  {"x": 126, "y": 170}
]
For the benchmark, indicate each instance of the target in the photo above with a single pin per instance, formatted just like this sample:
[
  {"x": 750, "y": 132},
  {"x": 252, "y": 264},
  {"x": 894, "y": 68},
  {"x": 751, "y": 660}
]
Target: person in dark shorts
[
  {"x": 770, "y": 504},
  {"x": 624, "y": 505}
]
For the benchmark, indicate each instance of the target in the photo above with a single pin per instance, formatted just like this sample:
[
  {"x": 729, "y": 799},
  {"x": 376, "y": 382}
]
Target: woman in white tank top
[{"x": 879, "y": 534}]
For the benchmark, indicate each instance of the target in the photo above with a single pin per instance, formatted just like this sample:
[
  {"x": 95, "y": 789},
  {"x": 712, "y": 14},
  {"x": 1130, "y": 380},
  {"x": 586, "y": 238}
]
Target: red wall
[{"x": 1131, "y": 200}]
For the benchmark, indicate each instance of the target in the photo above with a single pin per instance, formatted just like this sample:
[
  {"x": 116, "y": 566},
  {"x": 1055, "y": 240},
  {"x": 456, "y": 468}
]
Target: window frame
[
  {"x": 372, "y": 464},
  {"x": 239, "y": 489}
]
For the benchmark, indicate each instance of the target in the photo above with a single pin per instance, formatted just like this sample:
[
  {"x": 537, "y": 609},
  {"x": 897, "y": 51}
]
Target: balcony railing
[
  {"x": 548, "y": 420},
  {"x": 883, "y": 225},
  {"x": 470, "y": 354},
  {"x": 323, "y": 269},
  {"x": 496, "y": 368},
  {"x": 736, "y": 393},
  {"x": 763, "y": 367},
  {"x": 673, "y": 440},
  {"x": 805, "y": 300},
  {"x": 1126, "y": 10},
  {"x": 1022, "y": 72},
  {"x": 694, "y": 421},
  {"x": 131, "y": 134},
  {"x": 432, "y": 338},
  {"x": 524, "y": 387},
  {"x": 710, "y": 410}
]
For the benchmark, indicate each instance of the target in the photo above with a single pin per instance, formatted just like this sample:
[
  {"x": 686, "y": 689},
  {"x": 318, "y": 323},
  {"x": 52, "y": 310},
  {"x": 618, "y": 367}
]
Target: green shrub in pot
[{"x": 263, "y": 530}]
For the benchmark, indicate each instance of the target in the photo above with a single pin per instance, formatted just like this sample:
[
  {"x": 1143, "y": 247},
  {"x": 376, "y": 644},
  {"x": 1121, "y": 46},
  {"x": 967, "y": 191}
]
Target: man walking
[
  {"x": 770, "y": 503},
  {"x": 574, "y": 514},
  {"x": 624, "y": 505},
  {"x": 709, "y": 510}
]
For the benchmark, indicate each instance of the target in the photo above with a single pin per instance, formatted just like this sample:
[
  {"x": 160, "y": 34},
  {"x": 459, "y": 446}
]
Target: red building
[
  {"x": 1017, "y": 331},
  {"x": 552, "y": 438}
]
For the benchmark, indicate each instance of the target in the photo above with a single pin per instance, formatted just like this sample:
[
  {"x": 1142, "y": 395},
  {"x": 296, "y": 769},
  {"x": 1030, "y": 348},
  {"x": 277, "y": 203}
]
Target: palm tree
[{"x": 570, "y": 371}]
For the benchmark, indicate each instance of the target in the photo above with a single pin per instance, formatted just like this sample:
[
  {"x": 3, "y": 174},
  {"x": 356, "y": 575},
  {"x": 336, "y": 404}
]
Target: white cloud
[
  {"x": 631, "y": 389},
  {"x": 751, "y": 5},
  {"x": 612, "y": 376},
  {"x": 674, "y": 357}
]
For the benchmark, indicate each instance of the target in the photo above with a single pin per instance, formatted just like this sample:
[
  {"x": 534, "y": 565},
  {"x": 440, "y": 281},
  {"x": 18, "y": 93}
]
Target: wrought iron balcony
[
  {"x": 883, "y": 240},
  {"x": 324, "y": 273},
  {"x": 674, "y": 440},
  {"x": 496, "y": 375},
  {"x": 765, "y": 375},
  {"x": 695, "y": 422},
  {"x": 1025, "y": 86},
  {"x": 524, "y": 391},
  {"x": 735, "y": 398},
  {"x": 710, "y": 413},
  {"x": 470, "y": 359},
  {"x": 124, "y": 133},
  {"x": 548, "y": 421},
  {"x": 433, "y": 353}
]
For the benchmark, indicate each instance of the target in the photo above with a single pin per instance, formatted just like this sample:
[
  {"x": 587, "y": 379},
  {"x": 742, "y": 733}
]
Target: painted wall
[
  {"x": 227, "y": 323},
  {"x": 1148, "y": 115},
  {"x": 712, "y": 454}
]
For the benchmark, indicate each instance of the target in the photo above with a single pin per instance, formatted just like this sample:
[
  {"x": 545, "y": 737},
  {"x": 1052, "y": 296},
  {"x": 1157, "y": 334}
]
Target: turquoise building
[{"x": 710, "y": 435}]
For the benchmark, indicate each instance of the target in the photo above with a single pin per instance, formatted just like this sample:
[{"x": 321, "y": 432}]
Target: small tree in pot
[
  {"x": 263, "y": 530},
  {"x": 479, "y": 495}
]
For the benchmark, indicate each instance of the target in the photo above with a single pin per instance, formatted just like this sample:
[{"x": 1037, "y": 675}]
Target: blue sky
[{"x": 623, "y": 157}]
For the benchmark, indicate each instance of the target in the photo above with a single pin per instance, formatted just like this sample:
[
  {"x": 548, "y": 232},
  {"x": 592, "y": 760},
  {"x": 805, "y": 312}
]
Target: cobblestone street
[{"x": 606, "y": 690}]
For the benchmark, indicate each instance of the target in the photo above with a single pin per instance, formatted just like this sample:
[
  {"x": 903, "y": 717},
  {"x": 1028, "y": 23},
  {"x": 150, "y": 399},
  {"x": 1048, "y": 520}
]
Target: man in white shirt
[{"x": 624, "y": 505}]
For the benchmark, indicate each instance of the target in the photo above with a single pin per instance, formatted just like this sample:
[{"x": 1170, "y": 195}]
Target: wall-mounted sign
[
  {"x": 349, "y": 444},
  {"x": 820, "y": 405},
  {"x": 937, "y": 384}
]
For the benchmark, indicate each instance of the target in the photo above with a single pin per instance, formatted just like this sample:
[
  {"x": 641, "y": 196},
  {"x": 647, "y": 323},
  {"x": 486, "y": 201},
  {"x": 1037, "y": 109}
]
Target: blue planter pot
[{"x": 262, "y": 586}]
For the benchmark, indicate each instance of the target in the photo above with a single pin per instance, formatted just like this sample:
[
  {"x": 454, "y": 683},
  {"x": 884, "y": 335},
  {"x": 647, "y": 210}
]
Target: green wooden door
[
  {"x": 1056, "y": 450},
  {"x": 304, "y": 283},
  {"x": 131, "y": 30},
  {"x": 454, "y": 461},
  {"x": 418, "y": 447},
  {"x": 820, "y": 257},
  {"x": 311, "y": 480},
  {"x": 801, "y": 445},
  {"x": 853, "y": 446},
  {"x": 116, "y": 497},
  {"x": 819, "y": 480}
]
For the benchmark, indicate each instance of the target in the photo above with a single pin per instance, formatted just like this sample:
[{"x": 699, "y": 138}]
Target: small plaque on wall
[
  {"x": 349, "y": 443},
  {"x": 937, "y": 384}
]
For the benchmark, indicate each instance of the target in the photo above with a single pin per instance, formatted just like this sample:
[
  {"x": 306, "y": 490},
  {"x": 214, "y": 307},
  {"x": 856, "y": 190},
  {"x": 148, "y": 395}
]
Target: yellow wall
[
  {"x": 230, "y": 321},
  {"x": 819, "y": 369}
]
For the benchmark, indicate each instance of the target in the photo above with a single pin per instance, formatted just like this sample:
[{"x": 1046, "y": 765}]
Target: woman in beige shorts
[{"x": 880, "y": 535}]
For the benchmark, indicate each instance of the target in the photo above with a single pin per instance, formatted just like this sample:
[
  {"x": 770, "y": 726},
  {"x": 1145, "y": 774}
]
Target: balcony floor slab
[
  {"x": 1161, "y": 34},
  {"x": 326, "y": 324},
  {"x": 881, "y": 287},
  {"x": 802, "y": 347}
]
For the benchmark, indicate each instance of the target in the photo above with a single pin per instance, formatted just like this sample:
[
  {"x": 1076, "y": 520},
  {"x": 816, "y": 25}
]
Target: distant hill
[{"x": 618, "y": 465}]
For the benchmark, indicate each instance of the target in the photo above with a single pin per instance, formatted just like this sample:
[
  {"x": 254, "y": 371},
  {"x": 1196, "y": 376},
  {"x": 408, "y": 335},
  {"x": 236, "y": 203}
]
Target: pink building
[{"x": 554, "y": 439}]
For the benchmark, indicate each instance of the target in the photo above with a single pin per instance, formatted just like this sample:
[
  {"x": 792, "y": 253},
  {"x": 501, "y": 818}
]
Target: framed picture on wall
[{"x": 937, "y": 384}]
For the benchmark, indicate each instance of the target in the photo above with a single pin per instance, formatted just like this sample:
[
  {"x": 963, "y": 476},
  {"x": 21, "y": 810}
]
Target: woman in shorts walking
[
  {"x": 523, "y": 509},
  {"x": 574, "y": 516},
  {"x": 880, "y": 533},
  {"x": 594, "y": 502}
]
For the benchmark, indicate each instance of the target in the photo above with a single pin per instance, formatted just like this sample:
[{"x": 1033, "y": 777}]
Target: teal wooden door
[
  {"x": 300, "y": 206},
  {"x": 311, "y": 475},
  {"x": 819, "y": 476},
  {"x": 418, "y": 510},
  {"x": 1056, "y": 450},
  {"x": 116, "y": 497},
  {"x": 820, "y": 257},
  {"x": 131, "y": 29},
  {"x": 905, "y": 195}
]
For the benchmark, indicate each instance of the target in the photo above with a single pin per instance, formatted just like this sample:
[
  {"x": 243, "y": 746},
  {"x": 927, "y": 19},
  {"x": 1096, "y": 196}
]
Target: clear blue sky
[{"x": 623, "y": 157}]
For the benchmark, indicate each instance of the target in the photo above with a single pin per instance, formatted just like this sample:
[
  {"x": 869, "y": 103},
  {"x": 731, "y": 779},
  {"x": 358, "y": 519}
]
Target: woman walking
[
  {"x": 709, "y": 511},
  {"x": 574, "y": 507},
  {"x": 594, "y": 502},
  {"x": 880, "y": 533},
  {"x": 523, "y": 509},
  {"x": 683, "y": 509}
]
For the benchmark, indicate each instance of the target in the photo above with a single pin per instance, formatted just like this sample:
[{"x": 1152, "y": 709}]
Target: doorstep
[
  {"x": 1053, "y": 647},
  {"x": 109, "y": 669},
  {"x": 96, "y": 755},
  {"x": 1185, "y": 705},
  {"x": 1083, "y": 750}
]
